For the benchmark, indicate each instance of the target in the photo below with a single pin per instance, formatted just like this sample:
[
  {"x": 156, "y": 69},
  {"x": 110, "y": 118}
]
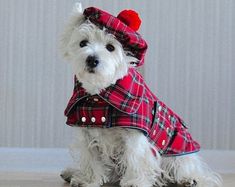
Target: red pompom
[{"x": 130, "y": 18}]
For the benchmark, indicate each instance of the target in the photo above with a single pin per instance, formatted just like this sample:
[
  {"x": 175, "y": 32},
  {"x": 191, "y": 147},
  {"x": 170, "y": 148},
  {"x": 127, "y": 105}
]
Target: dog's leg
[
  {"x": 89, "y": 170},
  {"x": 190, "y": 170},
  {"x": 139, "y": 166},
  {"x": 67, "y": 174}
]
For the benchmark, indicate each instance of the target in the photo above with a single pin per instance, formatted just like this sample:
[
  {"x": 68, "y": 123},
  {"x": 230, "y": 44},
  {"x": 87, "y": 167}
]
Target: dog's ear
[{"x": 76, "y": 19}]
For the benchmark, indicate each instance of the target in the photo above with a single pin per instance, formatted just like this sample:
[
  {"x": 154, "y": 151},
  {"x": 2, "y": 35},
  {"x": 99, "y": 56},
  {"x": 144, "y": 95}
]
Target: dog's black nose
[{"x": 92, "y": 61}]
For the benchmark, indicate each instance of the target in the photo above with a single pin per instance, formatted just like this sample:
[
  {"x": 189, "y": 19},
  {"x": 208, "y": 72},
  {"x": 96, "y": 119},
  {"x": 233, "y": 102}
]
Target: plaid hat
[{"x": 124, "y": 27}]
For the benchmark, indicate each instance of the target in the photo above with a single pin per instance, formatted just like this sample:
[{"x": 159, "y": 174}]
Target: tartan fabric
[
  {"x": 130, "y": 39},
  {"x": 129, "y": 103}
]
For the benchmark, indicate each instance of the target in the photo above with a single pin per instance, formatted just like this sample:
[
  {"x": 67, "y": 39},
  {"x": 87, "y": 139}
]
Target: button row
[
  {"x": 94, "y": 99},
  {"x": 167, "y": 129},
  {"x": 93, "y": 119},
  {"x": 163, "y": 141}
]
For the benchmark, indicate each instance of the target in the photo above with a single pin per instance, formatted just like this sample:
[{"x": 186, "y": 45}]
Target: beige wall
[{"x": 190, "y": 64}]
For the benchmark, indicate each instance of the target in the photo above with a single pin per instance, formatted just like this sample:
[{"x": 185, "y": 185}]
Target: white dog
[{"x": 117, "y": 154}]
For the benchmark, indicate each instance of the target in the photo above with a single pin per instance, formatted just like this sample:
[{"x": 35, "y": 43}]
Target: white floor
[{"x": 33, "y": 160}]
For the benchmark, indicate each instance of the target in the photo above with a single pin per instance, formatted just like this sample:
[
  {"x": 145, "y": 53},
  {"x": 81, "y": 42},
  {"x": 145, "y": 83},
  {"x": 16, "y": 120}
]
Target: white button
[
  {"x": 93, "y": 119},
  {"x": 167, "y": 129},
  {"x": 96, "y": 99},
  {"x": 159, "y": 108},
  {"x": 163, "y": 142},
  {"x": 83, "y": 119},
  {"x": 169, "y": 116},
  {"x": 154, "y": 132},
  {"x": 103, "y": 119}
]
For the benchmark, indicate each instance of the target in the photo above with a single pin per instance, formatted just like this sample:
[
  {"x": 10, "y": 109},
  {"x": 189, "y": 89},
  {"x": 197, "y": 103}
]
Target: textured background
[{"x": 190, "y": 64}]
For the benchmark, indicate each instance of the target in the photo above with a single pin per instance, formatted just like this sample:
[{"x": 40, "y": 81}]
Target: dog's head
[{"x": 98, "y": 58}]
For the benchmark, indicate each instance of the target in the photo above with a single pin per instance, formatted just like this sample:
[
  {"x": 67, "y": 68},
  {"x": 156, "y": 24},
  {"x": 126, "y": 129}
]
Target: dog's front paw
[
  {"x": 140, "y": 184},
  {"x": 77, "y": 183},
  {"x": 67, "y": 174},
  {"x": 191, "y": 183}
]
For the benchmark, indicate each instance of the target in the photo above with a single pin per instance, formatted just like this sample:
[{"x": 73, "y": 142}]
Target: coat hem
[{"x": 179, "y": 154}]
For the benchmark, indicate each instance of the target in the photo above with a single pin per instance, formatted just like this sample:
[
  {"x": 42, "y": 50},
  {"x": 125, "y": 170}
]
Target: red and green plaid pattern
[
  {"x": 129, "y": 103},
  {"x": 130, "y": 39}
]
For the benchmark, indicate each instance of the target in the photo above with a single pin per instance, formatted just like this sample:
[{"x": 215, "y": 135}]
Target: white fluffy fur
[
  {"x": 111, "y": 155},
  {"x": 117, "y": 154},
  {"x": 188, "y": 168}
]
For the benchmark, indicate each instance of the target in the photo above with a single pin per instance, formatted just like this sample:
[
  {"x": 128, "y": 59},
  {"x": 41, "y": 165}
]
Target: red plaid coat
[{"x": 130, "y": 104}]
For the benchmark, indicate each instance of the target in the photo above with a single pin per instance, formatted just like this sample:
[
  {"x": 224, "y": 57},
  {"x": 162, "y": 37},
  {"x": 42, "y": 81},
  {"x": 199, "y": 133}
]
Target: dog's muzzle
[{"x": 92, "y": 62}]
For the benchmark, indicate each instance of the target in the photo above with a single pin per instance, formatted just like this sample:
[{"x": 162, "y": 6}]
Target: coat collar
[{"x": 126, "y": 95}]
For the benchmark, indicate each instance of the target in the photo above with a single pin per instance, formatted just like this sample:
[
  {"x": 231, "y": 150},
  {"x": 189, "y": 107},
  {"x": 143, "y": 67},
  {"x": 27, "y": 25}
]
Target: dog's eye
[
  {"x": 83, "y": 43},
  {"x": 110, "y": 47}
]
